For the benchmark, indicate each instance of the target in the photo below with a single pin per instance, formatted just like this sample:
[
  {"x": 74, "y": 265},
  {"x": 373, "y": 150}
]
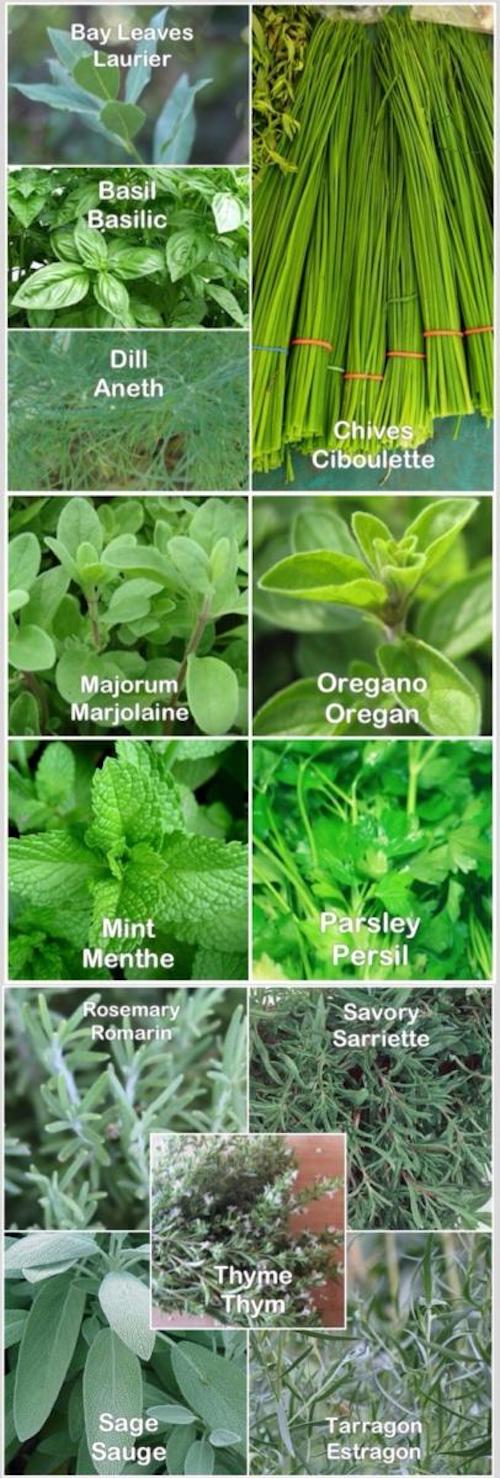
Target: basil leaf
[
  {"x": 91, "y": 245},
  {"x": 112, "y": 1381},
  {"x": 47, "y": 1347},
  {"x": 125, "y": 1302},
  {"x": 111, "y": 294},
  {"x": 227, "y": 301},
  {"x": 184, "y": 250},
  {"x": 134, "y": 261},
  {"x": 56, "y": 286},
  {"x": 228, "y": 212}
]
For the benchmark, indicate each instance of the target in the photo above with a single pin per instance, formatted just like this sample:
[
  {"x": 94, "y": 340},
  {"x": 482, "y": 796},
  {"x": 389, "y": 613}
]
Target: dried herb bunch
[
  {"x": 80, "y": 1108},
  {"x": 416, "y": 1349},
  {"x": 227, "y": 1201},
  {"x": 80, "y": 1346},
  {"x": 417, "y": 1118}
]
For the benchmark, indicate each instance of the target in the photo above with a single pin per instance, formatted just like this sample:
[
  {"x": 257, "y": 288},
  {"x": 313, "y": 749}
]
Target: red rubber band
[
  {"x": 319, "y": 343},
  {"x": 486, "y": 328},
  {"x": 442, "y": 333},
  {"x": 404, "y": 354},
  {"x": 359, "y": 375}
]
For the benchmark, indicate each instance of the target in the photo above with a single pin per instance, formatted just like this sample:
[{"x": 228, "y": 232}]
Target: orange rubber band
[
  {"x": 319, "y": 343},
  {"x": 358, "y": 375},
  {"x": 486, "y": 328},
  {"x": 442, "y": 333},
  {"x": 404, "y": 354}
]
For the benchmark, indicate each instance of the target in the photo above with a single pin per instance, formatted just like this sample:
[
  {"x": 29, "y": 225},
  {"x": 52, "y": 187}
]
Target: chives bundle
[{"x": 374, "y": 253}]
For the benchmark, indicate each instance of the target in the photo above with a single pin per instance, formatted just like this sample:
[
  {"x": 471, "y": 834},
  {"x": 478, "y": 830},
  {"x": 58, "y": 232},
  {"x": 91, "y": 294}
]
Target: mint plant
[
  {"x": 83, "y": 1300},
  {"x": 108, "y": 111},
  {"x": 374, "y": 605},
  {"x": 147, "y": 833},
  {"x": 226, "y": 1200},
  {"x": 138, "y": 592},
  {"x": 66, "y": 270},
  {"x": 85, "y": 1091}
]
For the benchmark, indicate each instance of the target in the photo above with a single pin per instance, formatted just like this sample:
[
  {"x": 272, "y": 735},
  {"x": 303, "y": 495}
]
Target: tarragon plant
[
  {"x": 133, "y": 590},
  {"x": 151, "y": 833},
  {"x": 67, "y": 271},
  {"x": 81, "y": 1107},
  {"x": 80, "y": 1349},
  {"x": 103, "y": 106},
  {"x": 421, "y": 612},
  {"x": 232, "y": 1200}
]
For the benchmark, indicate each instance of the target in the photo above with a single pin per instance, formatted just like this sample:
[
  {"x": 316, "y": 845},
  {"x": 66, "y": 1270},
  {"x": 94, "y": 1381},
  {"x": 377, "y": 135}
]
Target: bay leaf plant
[
  {"x": 132, "y": 831},
  {"x": 65, "y": 270},
  {"x": 65, "y": 438},
  {"x": 135, "y": 110},
  {"x": 417, "y": 1348},
  {"x": 133, "y": 591},
  {"x": 364, "y": 829},
  {"x": 397, "y": 589},
  {"x": 81, "y": 1107},
  {"x": 417, "y": 1117},
  {"x": 232, "y": 1200},
  {"x": 85, "y": 1299}
]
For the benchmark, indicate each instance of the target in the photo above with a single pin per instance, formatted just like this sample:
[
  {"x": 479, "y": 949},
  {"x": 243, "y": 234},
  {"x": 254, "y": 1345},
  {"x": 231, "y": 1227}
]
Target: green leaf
[
  {"x": 24, "y": 561},
  {"x": 79, "y": 524},
  {"x": 51, "y": 869},
  {"x": 172, "y": 1415},
  {"x": 228, "y": 211},
  {"x": 460, "y": 618},
  {"x": 369, "y": 532},
  {"x": 46, "y": 1249},
  {"x": 227, "y": 301},
  {"x": 131, "y": 600},
  {"x": 102, "y": 81},
  {"x": 206, "y": 878},
  {"x": 175, "y": 127},
  {"x": 111, "y": 294},
  {"x": 47, "y": 1348},
  {"x": 24, "y": 718},
  {"x": 123, "y": 119},
  {"x": 132, "y": 803},
  {"x": 212, "y": 691},
  {"x": 16, "y": 600},
  {"x": 191, "y": 563},
  {"x": 112, "y": 1381},
  {"x": 56, "y": 286},
  {"x": 183, "y": 251},
  {"x": 297, "y": 709},
  {"x": 63, "y": 243},
  {"x": 68, "y": 50},
  {"x": 63, "y": 97},
  {"x": 14, "y": 1322},
  {"x": 31, "y": 650},
  {"x": 129, "y": 262},
  {"x": 221, "y": 1437},
  {"x": 91, "y": 245},
  {"x": 139, "y": 77},
  {"x": 213, "y": 1387},
  {"x": 200, "y": 1458},
  {"x": 56, "y": 773},
  {"x": 45, "y": 597},
  {"x": 325, "y": 576},
  {"x": 178, "y": 1446},
  {"x": 320, "y": 528},
  {"x": 451, "y": 705},
  {"x": 437, "y": 527},
  {"x": 125, "y": 1302}
]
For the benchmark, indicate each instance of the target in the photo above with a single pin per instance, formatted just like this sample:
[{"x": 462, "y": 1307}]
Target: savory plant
[
  {"x": 364, "y": 830},
  {"x": 132, "y": 831},
  {"x": 63, "y": 437},
  {"x": 226, "y": 1200},
  {"x": 417, "y": 1117},
  {"x": 134, "y": 110},
  {"x": 144, "y": 591},
  {"x": 80, "y": 1109},
  {"x": 384, "y": 595},
  {"x": 417, "y": 1348},
  {"x": 65, "y": 270},
  {"x": 85, "y": 1299}
]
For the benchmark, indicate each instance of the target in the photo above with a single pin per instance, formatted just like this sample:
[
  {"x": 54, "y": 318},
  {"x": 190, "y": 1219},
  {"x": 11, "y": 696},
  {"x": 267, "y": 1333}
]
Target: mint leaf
[
  {"x": 132, "y": 803},
  {"x": 51, "y": 869},
  {"x": 206, "y": 880}
]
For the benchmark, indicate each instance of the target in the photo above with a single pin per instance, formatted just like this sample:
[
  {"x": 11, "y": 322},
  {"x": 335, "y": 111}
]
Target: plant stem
[
  {"x": 92, "y": 599},
  {"x": 191, "y": 647}
]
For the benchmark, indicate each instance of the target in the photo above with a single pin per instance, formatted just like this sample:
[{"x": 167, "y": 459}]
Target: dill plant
[
  {"x": 80, "y": 1110},
  {"x": 417, "y": 1118},
  {"x": 228, "y": 1201},
  {"x": 191, "y": 439},
  {"x": 417, "y": 1346}
]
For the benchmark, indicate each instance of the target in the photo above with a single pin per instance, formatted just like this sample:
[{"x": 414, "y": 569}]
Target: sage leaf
[
  {"x": 200, "y": 1458},
  {"x": 47, "y": 1347},
  {"x": 41, "y": 1249},
  {"x": 172, "y": 1415},
  {"x": 126, "y": 1304},
  {"x": 112, "y": 1381},
  {"x": 213, "y": 1388}
]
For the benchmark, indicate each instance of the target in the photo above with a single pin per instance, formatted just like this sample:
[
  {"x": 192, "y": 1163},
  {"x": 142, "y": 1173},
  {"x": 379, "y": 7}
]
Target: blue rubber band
[{"x": 271, "y": 348}]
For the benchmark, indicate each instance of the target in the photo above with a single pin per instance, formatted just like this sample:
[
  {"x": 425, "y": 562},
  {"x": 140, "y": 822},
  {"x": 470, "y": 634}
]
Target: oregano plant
[{"x": 85, "y": 1371}]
